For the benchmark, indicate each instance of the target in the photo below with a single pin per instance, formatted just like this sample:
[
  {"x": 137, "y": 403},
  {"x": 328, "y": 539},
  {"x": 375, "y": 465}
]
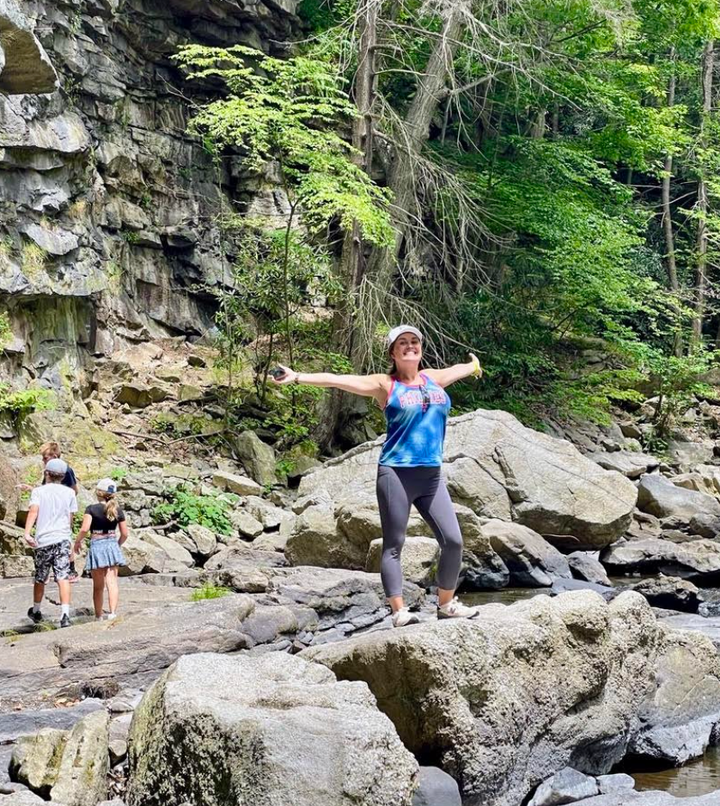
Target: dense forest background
[{"x": 535, "y": 181}]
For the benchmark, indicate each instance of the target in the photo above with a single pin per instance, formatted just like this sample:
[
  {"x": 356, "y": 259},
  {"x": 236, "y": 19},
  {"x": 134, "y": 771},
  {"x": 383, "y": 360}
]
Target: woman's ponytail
[{"x": 110, "y": 504}]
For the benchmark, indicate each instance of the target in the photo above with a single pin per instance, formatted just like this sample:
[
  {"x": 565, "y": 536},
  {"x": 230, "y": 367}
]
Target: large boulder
[
  {"x": 482, "y": 696},
  {"x": 70, "y": 767},
  {"x": 267, "y": 730},
  {"x": 660, "y": 497},
  {"x": 688, "y": 560},
  {"x": 679, "y": 717},
  {"x": 418, "y": 559},
  {"x": 331, "y": 539},
  {"x": 530, "y": 560},
  {"x": 501, "y": 469},
  {"x": 153, "y": 553},
  {"x": 257, "y": 458}
]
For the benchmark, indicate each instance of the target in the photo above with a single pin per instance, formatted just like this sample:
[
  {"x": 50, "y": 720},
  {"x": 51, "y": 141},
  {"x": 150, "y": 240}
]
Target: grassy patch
[{"x": 208, "y": 591}]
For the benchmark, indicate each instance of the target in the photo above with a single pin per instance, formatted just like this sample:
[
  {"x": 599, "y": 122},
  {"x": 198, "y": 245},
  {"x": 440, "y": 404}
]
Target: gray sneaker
[
  {"x": 456, "y": 609},
  {"x": 403, "y": 617}
]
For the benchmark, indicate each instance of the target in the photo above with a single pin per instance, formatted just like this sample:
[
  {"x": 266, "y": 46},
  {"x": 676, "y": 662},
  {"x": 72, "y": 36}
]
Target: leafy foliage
[
  {"x": 288, "y": 111},
  {"x": 17, "y": 405},
  {"x": 184, "y": 507}
]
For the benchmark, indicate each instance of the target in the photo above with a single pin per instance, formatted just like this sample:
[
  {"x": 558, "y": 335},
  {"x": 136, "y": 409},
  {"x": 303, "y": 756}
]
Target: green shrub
[
  {"x": 184, "y": 507},
  {"x": 17, "y": 405}
]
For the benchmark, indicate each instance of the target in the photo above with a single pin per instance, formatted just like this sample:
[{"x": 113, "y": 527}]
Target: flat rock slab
[
  {"x": 699, "y": 558},
  {"x": 136, "y": 647},
  {"x": 16, "y": 597},
  {"x": 346, "y": 600},
  {"x": 15, "y": 724}
]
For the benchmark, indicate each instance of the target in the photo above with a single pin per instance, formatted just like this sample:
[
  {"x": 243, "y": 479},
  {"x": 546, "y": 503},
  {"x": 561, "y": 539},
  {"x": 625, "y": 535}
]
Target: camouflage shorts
[{"x": 55, "y": 557}]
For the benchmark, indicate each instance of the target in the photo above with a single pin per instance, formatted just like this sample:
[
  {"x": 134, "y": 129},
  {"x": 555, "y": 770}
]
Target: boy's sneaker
[
  {"x": 403, "y": 617},
  {"x": 37, "y": 617},
  {"x": 456, "y": 609},
  {"x": 65, "y": 621}
]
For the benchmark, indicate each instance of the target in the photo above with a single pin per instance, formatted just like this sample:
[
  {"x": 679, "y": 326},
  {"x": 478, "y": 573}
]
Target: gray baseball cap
[
  {"x": 56, "y": 466},
  {"x": 396, "y": 332}
]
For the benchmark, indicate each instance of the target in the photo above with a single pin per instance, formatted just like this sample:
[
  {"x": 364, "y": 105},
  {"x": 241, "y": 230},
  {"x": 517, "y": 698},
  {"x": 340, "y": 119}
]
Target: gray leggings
[{"x": 398, "y": 488}]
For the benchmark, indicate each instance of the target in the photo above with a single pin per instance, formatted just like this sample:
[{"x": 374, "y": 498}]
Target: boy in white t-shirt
[{"x": 51, "y": 513}]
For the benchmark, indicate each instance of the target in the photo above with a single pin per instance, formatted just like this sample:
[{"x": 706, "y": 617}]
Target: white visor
[{"x": 396, "y": 332}]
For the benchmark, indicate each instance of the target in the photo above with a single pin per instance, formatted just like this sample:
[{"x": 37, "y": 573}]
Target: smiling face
[{"x": 406, "y": 351}]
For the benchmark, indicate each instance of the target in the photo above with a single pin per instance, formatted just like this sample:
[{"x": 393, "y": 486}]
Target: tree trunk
[
  {"x": 667, "y": 213},
  {"x": 352, "y": 262},
  {"x": 401, "y": 180},
  {"x": 702, "y": 202}
]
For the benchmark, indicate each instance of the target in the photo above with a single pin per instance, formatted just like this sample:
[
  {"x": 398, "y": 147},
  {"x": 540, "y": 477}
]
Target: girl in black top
[{"x": 102, "y": 521}]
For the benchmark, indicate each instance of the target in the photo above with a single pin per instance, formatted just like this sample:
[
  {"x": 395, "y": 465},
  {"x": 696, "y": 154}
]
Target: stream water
[{"x": 699, "y": 777}]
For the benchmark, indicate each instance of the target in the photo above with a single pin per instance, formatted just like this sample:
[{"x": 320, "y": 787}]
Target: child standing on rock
[
  {"x": 48, "y": 451},
  {"x": 51, "y": 511},
  {"x": 102, "y": 521}
]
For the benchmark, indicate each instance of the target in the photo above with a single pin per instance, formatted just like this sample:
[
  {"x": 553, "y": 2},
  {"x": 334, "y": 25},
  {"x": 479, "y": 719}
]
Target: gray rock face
[
  {"x": 469, "y": 688},
  {"x": 116, "y": 234},
  {"x": 660, "y": 497},
  {"x": 239, "y": 730},
  {"x": 530, "y": 560},
  {"x": 24, "y": 65},
  {"x": 500, "y": 469}
]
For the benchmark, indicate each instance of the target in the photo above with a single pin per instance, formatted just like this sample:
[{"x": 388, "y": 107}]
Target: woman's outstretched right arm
[{"x": 366, "y": 385}]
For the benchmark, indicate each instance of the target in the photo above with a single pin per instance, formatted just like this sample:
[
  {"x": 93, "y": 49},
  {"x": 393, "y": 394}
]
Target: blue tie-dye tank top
[{"x": 416, "y": 419}]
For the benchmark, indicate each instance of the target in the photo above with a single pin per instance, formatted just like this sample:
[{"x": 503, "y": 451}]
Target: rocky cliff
[{"x": 108, "y": 208}]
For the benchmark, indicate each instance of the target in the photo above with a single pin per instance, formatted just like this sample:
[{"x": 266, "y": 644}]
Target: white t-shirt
[{"x": 55, "y": 502}]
